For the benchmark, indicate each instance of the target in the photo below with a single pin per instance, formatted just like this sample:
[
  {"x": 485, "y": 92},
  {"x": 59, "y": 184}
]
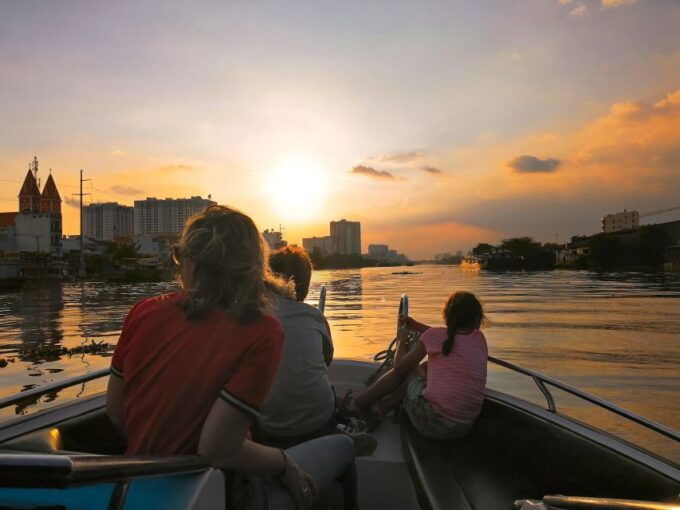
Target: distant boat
[{"x": 471, "y": 262}]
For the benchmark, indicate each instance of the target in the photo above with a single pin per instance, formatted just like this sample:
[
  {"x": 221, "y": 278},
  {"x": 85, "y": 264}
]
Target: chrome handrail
[
  {"x": 322, "y": 299},
  {"x": 541, "y": 380},
  {"x": 41, "y": 390}
]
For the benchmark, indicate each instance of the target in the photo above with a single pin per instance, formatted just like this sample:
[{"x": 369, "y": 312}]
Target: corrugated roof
[{"x": 7, "y": 219}]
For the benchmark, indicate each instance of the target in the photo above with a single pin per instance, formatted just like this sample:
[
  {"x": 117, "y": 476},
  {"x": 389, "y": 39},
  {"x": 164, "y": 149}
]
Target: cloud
[
  {"x": 118, "y": 153},
  {"x": 372, "y": 172},
  {"x": 431, "y": 169},
  {"x": 617, "y": 3},
  {"x": 581, "y": 10},
  {"x": 176, "y": 168},
  {"x": 399, "y": 158},
  {"x": 125, "y": 190},
  {"x": 563, "y": 2},
  {"x": 73, "y": 202},
  {"x": 532, "y": 164}
]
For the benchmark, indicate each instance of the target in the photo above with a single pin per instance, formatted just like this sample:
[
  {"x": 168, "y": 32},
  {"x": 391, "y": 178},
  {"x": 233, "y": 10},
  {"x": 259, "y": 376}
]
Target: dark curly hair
[
  {"x": 462, "y": 312},
  {"x": 229, "y": 267},
  {"x": 293, "y": 263}
]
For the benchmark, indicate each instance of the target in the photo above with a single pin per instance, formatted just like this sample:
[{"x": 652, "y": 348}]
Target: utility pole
[{"x": 81, "y": 269}]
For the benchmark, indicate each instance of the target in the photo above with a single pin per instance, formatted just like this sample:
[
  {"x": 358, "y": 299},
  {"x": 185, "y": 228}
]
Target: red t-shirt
[{"x": 174, "y": 371}]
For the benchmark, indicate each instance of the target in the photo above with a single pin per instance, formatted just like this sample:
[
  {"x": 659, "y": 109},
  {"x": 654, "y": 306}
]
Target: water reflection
[{"x": 616, "y": 335}]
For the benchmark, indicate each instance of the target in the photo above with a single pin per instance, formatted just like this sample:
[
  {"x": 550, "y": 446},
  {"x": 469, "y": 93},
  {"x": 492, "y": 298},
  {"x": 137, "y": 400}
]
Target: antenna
[
  {"x": 81, "y": 269},
  {"x": 34, "y": 166}
]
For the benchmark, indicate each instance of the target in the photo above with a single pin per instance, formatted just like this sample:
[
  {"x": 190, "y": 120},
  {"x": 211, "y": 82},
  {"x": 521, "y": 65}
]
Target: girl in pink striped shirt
[{"x": 444, "y": 396}]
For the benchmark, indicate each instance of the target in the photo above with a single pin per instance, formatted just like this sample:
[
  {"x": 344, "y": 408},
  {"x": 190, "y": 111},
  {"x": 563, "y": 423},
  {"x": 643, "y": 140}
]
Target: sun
[{"x": 297, "y": 189}]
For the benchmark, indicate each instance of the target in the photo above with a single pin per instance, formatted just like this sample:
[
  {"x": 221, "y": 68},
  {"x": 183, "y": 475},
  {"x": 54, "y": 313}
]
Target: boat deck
[{"x": 384, "y": 480}]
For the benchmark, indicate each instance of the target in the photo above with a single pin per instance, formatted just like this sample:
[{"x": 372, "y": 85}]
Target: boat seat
[
  {"x": 90, "y": 433},
  {"x": 40, "y": 441},
  {"x": 510, "y": 455},
  {"x": 457, "y": 475}
]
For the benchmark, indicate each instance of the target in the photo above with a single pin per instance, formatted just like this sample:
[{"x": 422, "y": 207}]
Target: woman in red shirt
[{"x": 192, "y": 369}]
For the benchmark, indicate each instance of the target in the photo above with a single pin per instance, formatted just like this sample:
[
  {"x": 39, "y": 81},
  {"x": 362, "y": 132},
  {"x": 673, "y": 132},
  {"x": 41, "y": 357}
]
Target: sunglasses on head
[{"x": 175, "y": 254}]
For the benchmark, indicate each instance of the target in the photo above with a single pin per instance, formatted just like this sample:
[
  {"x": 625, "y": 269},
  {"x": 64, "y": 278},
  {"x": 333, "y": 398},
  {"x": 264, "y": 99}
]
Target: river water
[{"x": 614, "y": 335}]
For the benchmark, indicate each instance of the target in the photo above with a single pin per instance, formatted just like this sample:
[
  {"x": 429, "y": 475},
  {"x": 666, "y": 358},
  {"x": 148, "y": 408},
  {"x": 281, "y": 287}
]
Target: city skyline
[{"x": 437, "y": 127}]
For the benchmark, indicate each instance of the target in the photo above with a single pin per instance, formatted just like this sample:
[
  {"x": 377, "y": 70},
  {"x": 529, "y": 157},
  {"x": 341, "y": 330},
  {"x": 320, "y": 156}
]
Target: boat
[
  {"x": 471, "y": 262},
  {"x": 69, "y": 457}
]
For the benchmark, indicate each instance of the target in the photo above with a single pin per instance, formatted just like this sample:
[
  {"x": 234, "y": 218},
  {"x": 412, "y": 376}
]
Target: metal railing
[
  {"x": 322, "y": 299},
  {"x": 42, "y": 390},
  {"x": 542, "y": 381}
]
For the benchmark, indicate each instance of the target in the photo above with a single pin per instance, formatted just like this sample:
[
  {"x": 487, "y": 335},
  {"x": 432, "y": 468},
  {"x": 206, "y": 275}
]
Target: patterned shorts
[{"x": 424, "y": 418}]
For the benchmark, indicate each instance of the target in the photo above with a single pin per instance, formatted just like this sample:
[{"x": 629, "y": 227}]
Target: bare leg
[
  {"x": 388, "y": 391},
  {"x": 391, "y": 401},
  {"x": 383, "y": 387}
]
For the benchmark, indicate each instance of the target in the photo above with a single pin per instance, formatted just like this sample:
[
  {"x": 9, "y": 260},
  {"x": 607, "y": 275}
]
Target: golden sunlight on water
[{"x": 614, "y": 335}]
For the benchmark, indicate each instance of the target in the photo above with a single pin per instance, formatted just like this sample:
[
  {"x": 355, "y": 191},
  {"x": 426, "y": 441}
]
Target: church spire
[
  {"x": 50, "y": 201},
  {"x": 29, "y": 195}
]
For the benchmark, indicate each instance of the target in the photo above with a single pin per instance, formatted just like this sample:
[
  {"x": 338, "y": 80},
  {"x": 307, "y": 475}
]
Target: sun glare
[{"x": 297, "y": 189}]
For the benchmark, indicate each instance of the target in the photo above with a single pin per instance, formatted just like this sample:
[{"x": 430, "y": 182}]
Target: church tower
[
  {"x": 29, "y": 196},
  {"x": 50, "y": 201}
]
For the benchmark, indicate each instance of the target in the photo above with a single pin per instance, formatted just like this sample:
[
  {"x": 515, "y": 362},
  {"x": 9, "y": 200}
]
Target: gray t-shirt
[{"x": 301, "y": 399}]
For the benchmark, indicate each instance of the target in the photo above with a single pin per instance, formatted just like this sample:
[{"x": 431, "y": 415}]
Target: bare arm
[
  {"x": 328, "y": 348},
  {"x": 223, "y": 443},
  {"x": 114, "y": 402},
  {"x": 417, "y": 326},
  {"x": 409, "y": 360}
]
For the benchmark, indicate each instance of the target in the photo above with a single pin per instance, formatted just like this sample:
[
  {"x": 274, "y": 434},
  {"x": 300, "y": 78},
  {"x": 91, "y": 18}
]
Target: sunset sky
[{"x": 437, "y": 124}]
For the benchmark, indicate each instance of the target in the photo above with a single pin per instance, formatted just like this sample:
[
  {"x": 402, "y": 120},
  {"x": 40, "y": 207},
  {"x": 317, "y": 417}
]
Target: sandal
[{"x": 342, "y": 405}]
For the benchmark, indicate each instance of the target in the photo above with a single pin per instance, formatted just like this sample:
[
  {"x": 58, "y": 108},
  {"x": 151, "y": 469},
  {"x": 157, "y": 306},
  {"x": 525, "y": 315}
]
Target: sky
[{"x": 437, "y": 124}]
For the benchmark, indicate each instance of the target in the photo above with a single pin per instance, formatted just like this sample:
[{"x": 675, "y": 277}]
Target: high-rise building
[
  {"x": 378, "y": 251},
  {"x": 346, "y": 237},
  {"x": 166, "y": 216},
  {"x": 620, "y": 221},
  {"x": 322, "y": 245},
  {"x": 108, "y": 221}
]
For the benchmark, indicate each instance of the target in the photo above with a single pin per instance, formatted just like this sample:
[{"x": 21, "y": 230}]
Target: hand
[
  {"x": 300, "y": 485},
  {"x": 402, "y": 332}
]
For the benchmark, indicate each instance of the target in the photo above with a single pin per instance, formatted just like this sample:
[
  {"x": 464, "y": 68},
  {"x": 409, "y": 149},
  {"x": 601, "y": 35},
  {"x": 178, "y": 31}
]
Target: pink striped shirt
[{"x": 455, "y": 383}]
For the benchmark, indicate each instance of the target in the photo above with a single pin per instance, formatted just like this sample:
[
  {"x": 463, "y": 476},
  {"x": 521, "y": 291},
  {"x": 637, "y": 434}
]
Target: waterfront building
[
  {"x": 274, "y": 239},
  {"x": 346, "y": 237},
  {"x": 108, "y": 221},
  {"x": 167, "y": 216},
  {"x": 620, "y": 221},
  {"x": 322, "y": 245},
  {"x": 36, "y": 226},
  {"x": 377, "y": 251},
  {"x": 8, "y": 238}
]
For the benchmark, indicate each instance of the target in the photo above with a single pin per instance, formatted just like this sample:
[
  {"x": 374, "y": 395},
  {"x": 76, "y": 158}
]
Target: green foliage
[
  {"x": 121, "y": 251},
  {"x": 615, "y": 252},
  {"x": 482, "y": 249}
]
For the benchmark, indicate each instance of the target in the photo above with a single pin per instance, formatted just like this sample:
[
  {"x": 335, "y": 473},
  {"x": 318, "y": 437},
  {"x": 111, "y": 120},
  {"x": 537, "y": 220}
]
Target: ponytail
[
  {"x": 462, "y": 312},
  {"x": 448, "y": 344}
]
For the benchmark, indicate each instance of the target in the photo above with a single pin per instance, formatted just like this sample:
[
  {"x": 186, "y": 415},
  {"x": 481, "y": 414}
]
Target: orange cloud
[{"x": 371, "y": 172}]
